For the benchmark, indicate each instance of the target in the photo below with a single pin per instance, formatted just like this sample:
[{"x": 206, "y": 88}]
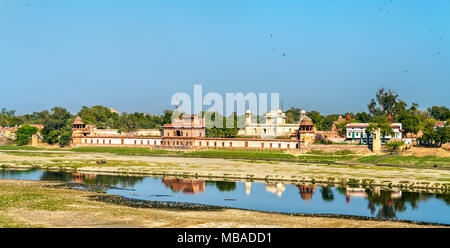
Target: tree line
[{"x": 58, "y": 121}]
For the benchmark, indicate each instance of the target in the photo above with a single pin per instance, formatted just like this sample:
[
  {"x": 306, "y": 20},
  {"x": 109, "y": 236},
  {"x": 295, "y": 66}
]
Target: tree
[
  {"x": 439, "y": 113},
  {"x": 224, "y": 131},
  {"x": 316, "y": 118},
  {"x": 100, "y": 116},
  {"x": 24, "y": 134},
  {"x": 293, "y": 115},
  {"x": 381, "y": 123},
  {"x": 65, "y": 138},
  {"x": 57, "y": 121},
  {"x": 388, "y": 103},
  {"x": 435, "y": 136},
  {"x": 444, "y": 135},
  {"x": 410, "y": 122},
  {"x": 363, "y": 117},
  {"x": 8, "y": 118}
]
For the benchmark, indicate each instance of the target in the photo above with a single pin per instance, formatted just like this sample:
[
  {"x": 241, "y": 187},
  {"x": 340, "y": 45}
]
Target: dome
[
  {"x": 78, "y": 121},
  {"x": 306, "y": 121}
]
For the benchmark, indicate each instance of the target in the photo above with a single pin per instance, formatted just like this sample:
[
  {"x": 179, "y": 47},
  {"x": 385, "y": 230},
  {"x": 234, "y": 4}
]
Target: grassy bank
[
  {"x": 311, "y": 157},
  {"x": 346, "y": 157}
]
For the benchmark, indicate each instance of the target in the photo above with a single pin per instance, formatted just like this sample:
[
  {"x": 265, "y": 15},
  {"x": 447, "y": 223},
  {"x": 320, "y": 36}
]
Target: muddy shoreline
[
  {"x": 69, "y": 205},
  {"x": 135, "y": 203}
]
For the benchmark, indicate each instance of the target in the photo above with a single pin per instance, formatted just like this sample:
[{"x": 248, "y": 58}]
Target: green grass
[
  {"x": 320, "y": 152},
  {"x": 252, "y": 155},
  {"x": 35, "y": 154},
  {"x": 121, "y": 150},
  {"x": 14, "y": 148},
  {"x": 370, "y": 158},
  {"x": 413, "y": 160},
  {"x": 244, "y": 154}
]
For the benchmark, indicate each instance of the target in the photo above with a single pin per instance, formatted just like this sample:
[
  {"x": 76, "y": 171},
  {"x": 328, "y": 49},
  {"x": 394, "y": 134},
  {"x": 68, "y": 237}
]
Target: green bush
[
  {"x": 24, "y": 134},
  {"x": 395, "y": 144},
  {"x": 65, "y": 138}
]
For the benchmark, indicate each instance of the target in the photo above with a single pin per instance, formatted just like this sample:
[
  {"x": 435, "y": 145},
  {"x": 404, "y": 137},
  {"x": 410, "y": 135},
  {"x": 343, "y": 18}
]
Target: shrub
[
  {"x": 24, "y": 134},
  {"x": 395, "y": 144}
]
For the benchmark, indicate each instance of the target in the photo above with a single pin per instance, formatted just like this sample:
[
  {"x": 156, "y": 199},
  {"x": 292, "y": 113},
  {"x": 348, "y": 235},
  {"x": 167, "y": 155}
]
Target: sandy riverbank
[{"x": 43, "y": 204}]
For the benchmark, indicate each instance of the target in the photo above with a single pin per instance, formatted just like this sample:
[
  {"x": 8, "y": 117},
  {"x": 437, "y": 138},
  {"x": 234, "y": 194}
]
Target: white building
[
  {"x": 275, "y": 125},
  {"x": 356, "y": 132}
]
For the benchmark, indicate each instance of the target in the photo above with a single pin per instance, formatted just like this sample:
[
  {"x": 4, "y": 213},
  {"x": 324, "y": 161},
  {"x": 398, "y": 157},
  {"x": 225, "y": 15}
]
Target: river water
[{"x": 275, "y": 197}]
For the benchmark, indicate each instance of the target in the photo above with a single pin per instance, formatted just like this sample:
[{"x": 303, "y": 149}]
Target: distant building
[
  {"x": 181, "y": 133},
  {"x": 81, "y": 129},
  {"x": 274, "y": 125},
  {"x": 440, "y": 124},
  {"x": 306, "y": 130},
  {"x": 8, "y": 132},
  {"x": 356, "y": 132},
  {"x": 113, "y": 111},
  {"x": 186, "y": 126}
]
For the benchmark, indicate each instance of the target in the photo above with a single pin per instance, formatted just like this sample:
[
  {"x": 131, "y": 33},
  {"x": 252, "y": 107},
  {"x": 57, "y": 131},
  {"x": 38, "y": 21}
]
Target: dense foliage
[{"x": 24, "y": 133}]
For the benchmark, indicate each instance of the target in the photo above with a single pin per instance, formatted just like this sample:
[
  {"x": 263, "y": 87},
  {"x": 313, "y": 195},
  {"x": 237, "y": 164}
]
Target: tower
[
  {"x": 376, "y": 141},
  {"x": 248, "y": 117}
]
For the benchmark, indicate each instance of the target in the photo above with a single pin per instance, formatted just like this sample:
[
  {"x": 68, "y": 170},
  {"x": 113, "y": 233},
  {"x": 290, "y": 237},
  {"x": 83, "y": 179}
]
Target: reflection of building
[
  {"x": 248, "y": 187},
  {"x": 275, "y": 125},
  {"x": 354, "y": 192},
  {"x": 187, "y": 186},
  {"x": 360, "y": 192},
  {"x": 79, "y": 177},
  {"x": 275, "y": 188},
  {"x": 306, "y": 191}
]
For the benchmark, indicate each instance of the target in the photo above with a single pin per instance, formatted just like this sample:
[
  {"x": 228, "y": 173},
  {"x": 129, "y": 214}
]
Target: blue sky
[{"x": 134, "y": 55}]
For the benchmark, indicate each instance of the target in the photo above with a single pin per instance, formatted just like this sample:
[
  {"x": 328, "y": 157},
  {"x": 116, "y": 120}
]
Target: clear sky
[{"x": 134, "y": 55}]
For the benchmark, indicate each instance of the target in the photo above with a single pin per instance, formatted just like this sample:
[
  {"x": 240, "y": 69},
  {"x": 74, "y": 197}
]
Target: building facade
[
  {"x": 274, "y": 125},
  {"x": 356, "y": 132},
  {"x": 185, "y": 133}
]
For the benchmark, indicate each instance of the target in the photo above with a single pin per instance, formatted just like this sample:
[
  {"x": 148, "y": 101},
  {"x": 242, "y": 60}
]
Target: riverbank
[
  {"x": 428, "y": 178},
  {"x": 416, "y": 157},
  {"x": 52, "y": 204}
]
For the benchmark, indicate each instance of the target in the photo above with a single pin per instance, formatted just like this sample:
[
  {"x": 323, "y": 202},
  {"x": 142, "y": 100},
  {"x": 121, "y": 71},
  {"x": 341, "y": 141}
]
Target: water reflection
[
  {"x": 117, "y": 181},
  {"x": 306, "y": 191},
  {"x": 386, "y": 204},
  {"x": 375, "y": 202},
  {"x": 223, "y": 186},
  {"x": 248, "y": 188},
  {"x": 186, "y": 186},
  {"x": 275, "y": 188},
  {"x": 327, "y": 194}
]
